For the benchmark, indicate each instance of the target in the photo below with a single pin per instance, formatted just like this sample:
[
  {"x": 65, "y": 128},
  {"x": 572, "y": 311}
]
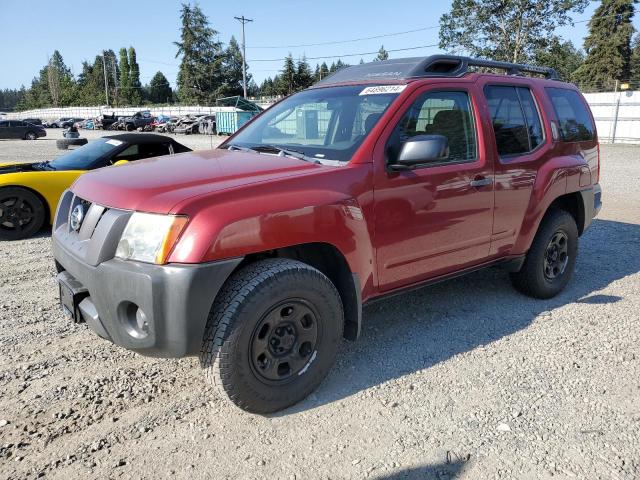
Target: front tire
[
  {"x": 272, "y": 335},
  {"x": 551, "y": 259},
  {"x": 22, "y": 213},
  {"x": 31, "y": 136}
]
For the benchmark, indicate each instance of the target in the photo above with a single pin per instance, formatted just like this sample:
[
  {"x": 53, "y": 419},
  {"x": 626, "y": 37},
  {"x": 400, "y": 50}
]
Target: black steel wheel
[
  {"x": 284, "y": 340},
  {"x": 272, "y": 335},
  {"x": 22, "y": 213},
  {"x": 551, "y": 259}
]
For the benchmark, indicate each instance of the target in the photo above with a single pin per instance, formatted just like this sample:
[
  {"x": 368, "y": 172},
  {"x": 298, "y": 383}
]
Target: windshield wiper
[
  {"x": 284, "y": 151},
  {"x": 238, "y": 147}
]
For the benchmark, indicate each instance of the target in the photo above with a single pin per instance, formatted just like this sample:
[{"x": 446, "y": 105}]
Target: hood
[
  {"x": 158, "y": 184},
  {"x": 16, "y": 167}
]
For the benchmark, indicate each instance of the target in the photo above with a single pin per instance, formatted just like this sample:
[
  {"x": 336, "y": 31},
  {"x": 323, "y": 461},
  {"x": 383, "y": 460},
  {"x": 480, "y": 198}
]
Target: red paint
[{"x": 394, "y": 228}]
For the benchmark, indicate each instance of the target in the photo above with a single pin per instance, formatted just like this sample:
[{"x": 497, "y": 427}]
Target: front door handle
[{"x": 480, "y": 182}]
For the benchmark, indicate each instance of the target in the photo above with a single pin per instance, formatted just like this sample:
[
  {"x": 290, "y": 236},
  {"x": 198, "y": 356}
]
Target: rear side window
[
  {"x": 575, "y": 122},
  {"x": 515, "y": 119}
]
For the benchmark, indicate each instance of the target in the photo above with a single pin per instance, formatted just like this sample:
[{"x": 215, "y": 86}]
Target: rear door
[
  {"x": 18, "y": 129},
  {"x": 521, "y": 145},
  {"x": 434, "y": 219}
]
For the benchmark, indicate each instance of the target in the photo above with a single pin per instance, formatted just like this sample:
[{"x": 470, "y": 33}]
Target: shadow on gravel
[
  {"x": 417, "y": 330},
  {"x": 438, "y": 471}
]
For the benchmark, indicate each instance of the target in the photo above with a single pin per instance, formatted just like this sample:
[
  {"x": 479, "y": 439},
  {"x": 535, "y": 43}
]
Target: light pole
[{"x": 244, "y": 20}]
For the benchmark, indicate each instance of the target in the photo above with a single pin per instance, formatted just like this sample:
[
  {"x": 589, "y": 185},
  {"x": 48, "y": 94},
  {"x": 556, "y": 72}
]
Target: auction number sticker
[
  {"x": 113, "y": 142},
  {"x": 382, "y": 89}
]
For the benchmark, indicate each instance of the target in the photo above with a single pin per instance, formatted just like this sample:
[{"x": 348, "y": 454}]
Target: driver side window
[{"x": 441, "y": 113}]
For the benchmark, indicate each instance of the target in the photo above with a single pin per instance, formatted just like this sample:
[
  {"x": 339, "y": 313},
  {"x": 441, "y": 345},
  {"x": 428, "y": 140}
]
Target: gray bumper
[
  {"x": 175, "y": 299},
  {"x": 592, "y": 201}
]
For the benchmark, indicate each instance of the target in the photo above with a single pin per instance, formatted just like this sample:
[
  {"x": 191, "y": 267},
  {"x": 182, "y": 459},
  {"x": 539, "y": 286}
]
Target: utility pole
[
  {"x": 244, "y": 20},
  {"x": 106, "y": 79}
]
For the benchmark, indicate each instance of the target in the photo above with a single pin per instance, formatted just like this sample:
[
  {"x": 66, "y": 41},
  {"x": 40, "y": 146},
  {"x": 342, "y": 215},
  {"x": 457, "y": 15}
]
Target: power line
[{"x": 347, "y": 54}]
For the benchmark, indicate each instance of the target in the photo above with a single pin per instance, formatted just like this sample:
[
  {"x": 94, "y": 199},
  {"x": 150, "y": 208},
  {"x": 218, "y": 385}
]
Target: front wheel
[
  {"x": 22, "y": 213},
  {"x": 551, "y": 259},
  {"x": 31, "y": 136},
  {"x": 272, "y": 334}
]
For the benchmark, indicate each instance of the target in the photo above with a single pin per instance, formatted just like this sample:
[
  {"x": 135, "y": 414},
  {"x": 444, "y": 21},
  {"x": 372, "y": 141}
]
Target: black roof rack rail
[
  {"x": 456, "y": 66},
  {"x": 431, "y": 66}
]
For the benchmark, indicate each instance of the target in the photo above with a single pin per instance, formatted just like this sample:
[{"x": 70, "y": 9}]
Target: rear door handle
[{"x": 480, "y": 182}]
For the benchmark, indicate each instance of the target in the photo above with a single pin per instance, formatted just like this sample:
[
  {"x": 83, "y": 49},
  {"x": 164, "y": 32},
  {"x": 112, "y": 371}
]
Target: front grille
[{"x": 96, "y": 239}]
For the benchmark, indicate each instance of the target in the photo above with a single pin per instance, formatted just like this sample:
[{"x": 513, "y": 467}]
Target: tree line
[{"x": 518, "y": 31}]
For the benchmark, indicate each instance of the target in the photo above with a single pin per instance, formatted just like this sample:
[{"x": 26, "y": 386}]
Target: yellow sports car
[{"x": 29, "y": 192}]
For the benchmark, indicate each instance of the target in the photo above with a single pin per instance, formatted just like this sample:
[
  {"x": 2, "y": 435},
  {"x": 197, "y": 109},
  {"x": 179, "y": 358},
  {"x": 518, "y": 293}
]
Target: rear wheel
[
  {"x": 272, "y": 335},
  {"x": 551, "y": 259},
  {"x": 22, "y": 213}
]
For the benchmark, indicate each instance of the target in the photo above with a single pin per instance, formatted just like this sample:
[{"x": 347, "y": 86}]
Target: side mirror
[
  {"x": 121, "y": 162},
  {"x": 420, "y": 150}
]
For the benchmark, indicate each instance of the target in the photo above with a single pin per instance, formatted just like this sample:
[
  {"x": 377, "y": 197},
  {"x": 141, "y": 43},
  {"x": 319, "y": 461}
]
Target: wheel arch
[
  {"x": 573, "y": 203},
  {"x": 326, "y": 258}
]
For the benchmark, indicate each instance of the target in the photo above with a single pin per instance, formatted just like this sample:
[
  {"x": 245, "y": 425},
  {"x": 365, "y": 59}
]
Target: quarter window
[
  {"x": 575, "y": 122},
  {"x": 441, "y": 113},
  {"x": 515, "y": 119}
]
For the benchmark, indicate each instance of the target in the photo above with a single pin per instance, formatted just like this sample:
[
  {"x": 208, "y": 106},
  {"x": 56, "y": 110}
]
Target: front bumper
[{"x": 175, "y": 298}]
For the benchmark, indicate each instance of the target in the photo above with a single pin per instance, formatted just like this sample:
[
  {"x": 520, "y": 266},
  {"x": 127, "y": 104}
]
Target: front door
[{"x": 436, "y": 218}]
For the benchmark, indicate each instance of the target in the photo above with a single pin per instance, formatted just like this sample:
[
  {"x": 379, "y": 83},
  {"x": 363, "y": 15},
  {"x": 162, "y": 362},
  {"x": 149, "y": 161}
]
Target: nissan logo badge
[{"x": 77, "y": 215}]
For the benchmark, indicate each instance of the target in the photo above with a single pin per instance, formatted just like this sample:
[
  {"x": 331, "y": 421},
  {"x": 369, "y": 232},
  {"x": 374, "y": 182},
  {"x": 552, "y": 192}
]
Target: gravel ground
[{"x": 466, "y": 379}]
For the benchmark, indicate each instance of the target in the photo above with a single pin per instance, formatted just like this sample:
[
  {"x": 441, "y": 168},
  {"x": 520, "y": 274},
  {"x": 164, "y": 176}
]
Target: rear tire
[
  {"x": 22, "y": 213},
  {"x": 551, "y": 259},
  {"x": 272, "y": 334}
]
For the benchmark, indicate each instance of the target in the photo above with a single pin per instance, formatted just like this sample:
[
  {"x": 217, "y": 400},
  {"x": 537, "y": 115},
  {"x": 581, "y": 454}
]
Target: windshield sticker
[
  {"x": 382, "y": 89},
  {"x": 114, "y": 142}
]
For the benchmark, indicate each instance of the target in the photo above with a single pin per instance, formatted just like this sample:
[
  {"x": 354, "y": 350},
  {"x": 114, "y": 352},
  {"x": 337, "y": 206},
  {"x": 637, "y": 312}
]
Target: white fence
[
  {"x": 617, "y": 114},
  {"x": 91, "y": 112}
]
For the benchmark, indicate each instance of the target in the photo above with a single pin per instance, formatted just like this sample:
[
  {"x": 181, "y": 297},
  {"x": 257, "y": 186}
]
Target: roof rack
[
  {"x": 455, "y": 66},
  {"x": 433, "y": 66}
]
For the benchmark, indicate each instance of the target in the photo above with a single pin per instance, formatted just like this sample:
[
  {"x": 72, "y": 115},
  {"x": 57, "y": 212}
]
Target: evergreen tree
[
  {"x": 382, "y": 55},
  {"x": 200, "y": 78},
  {"x": 159, "y": 89},
  {"x": 508, "y": 30},
  {"x": 287, "y": 83},
  {"x": 561, "y": 56},
  {"x": 304, "y": 77},
  {"x": 232, "y": 68},
  {"x": 60, "y": 81},
  {"x": 125, "y": 81},
  {"x": 324, "y": 70},
  {"x": 608, "y": 46},
  {"x": 635, "y": 62},
  {"x": 135, "y": 95}
]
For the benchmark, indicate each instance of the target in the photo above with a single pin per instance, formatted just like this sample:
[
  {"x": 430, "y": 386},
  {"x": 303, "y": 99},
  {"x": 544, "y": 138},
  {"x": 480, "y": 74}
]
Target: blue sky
[{"x": 80, "y": 30}]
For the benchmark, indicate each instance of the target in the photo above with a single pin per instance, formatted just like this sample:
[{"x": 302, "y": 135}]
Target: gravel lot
[{"x": 466, "y": 379}]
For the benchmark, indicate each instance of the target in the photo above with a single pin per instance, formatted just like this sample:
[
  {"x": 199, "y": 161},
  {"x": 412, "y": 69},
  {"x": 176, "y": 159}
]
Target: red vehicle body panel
[{"x": 395, "y": 229}]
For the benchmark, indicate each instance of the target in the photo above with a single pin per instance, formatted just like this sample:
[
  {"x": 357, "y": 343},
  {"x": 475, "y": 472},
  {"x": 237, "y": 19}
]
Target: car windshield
[
  {"x": 323, "y": 124},
  {"x": 84, "y": 157}
]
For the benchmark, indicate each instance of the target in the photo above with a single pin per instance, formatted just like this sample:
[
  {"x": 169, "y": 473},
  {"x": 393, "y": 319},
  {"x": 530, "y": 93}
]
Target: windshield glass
[
  {"x": 325, "y": 124},
  {"x": 84, "y": 157}
]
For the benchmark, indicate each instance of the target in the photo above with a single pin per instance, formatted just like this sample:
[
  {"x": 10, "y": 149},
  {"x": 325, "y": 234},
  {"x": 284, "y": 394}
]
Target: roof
[
  {"x": 141, "y": 138},
  {"x": 433, "y": 66}
]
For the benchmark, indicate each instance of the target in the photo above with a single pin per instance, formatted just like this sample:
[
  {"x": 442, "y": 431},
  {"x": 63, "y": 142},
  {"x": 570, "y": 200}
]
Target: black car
[
  {"x": 17, "y": 129},
  {"x": 70, "y": 121},
  {"x": 32, "y": 121}
]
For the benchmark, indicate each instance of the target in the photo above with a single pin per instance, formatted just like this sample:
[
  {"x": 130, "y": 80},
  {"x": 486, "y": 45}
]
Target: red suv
[{"x": 383, "y": 177}]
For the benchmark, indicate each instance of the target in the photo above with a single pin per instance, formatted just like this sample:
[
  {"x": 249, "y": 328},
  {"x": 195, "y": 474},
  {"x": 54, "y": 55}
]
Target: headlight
[{"x": 149, "y": 237}]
